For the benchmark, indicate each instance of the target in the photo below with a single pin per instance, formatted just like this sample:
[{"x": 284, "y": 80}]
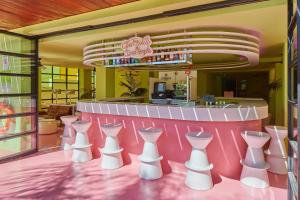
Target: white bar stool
[
  {"x": 254, "y": 173},
  {"x": 81, "y": 147},
  {"x": 198, "y": 174},
  {"x": 111, "y": 153},
  {"x": 68, "y": 136},
  {"x": 150, "y": 166},
  {"x": 276, "y": 154}
]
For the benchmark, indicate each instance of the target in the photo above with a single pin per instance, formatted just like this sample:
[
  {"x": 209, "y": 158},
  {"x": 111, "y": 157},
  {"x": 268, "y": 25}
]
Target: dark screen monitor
[{"x": 159, "y": 87}]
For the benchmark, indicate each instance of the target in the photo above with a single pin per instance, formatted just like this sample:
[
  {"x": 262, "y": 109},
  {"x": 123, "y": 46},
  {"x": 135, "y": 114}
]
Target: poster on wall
[{"x": 5, "y": 62}]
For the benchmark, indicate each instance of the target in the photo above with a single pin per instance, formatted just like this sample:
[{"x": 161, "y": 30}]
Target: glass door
[
  {"x": 18, "y": 95},
  {"x": 293, "y": 98}
]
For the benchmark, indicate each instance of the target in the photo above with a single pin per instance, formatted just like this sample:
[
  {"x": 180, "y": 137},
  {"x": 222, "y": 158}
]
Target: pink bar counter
[{"x": 225, "y": 123}]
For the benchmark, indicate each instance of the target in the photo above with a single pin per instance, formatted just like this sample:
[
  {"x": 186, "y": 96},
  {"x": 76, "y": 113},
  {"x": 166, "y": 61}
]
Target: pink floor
[{"x": 54, "y": 176}]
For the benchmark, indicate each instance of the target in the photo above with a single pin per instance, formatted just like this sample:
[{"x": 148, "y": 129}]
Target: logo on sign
[{"x": 137, "y": 47}]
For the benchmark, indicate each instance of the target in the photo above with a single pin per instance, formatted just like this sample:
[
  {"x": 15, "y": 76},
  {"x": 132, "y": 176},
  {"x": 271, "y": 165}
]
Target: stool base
[
  {"x": 81, "y": 155},
  {"x": 257, "y": 178},
  {"x": 150, "y": 170},
  {"x": 199, "y": 180},
  {"x": 66, "y": 143},
  {"x": 111, "y": 161}
]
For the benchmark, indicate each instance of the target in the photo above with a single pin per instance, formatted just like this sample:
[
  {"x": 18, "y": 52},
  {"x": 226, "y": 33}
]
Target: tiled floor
[{"x": 53, "y": 176}]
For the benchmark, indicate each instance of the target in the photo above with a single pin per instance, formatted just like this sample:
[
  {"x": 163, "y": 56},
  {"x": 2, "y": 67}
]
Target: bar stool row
[{"x": 198, "y": 176}]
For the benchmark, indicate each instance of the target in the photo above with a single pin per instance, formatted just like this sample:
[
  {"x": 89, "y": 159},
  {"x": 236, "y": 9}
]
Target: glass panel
[
  {"x": 45, "y": 103},
  {"x": 62, "y": 95},
  {"x": 294, "y": 45},
  {"x": 15, "y": 125},
  {"x": 10, "y": 43},
  {"x": 17, "y": 145},
  {"x": 59, "y": 70},
  {"x": 11, "y": 64},
  {"x": 73, "y": 79},
  {"x": 294, "y": 83},
  {"x": 61, "y": 86},
  {"x": 47, "y": 95},
  {"x": 46, "y": 69},
  {"x": 59, "y": 78},
  {"x": 61, "y": 101},
  {"x": 72, "y": 86},
  {"x": 47, "y": 86},
  {"x": 14, "y": 105},
  {"x": 46, "y": 78},
  {"x": 72, "y": 71},
  {"x": 74, "y": 101},
  {"x": 14, "y": 85}
]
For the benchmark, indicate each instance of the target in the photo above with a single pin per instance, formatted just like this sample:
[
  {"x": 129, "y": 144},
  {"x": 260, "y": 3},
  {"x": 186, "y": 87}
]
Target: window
[
  {"x": 59, "y": 85},
  {"x": 18, "y": 95}
]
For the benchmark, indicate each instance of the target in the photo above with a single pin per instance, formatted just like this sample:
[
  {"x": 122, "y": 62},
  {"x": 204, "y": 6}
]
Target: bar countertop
[{"x": 245, "y": 110}]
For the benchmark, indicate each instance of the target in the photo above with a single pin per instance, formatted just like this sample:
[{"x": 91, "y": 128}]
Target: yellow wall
[
  {"x": 208, "y": 83},
  {"x": 278, "y": 104},
  {"x": 105, "y": 82},
  {"x": 85, "y": 80}
]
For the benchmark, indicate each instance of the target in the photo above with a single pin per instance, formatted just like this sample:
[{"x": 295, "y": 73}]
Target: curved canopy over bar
[{"x": 243, "y": 46}]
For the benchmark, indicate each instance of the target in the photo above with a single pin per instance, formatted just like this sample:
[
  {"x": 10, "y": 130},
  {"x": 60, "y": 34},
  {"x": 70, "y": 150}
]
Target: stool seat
[
  {"x": 112, "y": 129},
  {"x": 199, "y": 140},
  {"x": 68, "y": 119},
  {"x": 278, "y": 131},
  {"x": 255, "y": 139},
  {"x": 150, "y": 134},
  {"x": 81, "y": 126}
]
